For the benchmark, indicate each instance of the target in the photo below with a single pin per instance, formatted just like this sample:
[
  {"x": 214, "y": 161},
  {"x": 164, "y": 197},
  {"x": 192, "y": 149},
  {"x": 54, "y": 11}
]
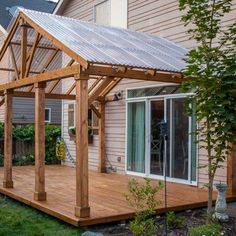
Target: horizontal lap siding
[
  {"x": 151, "y": 16},
  {"x": 23, "y": 110}
]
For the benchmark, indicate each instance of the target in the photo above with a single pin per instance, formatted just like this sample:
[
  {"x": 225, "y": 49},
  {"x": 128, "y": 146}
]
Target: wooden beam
[
  {"x": 31, "y": 54},
  {"x": 101, "y": 146},
  {"x": 13, "y": 70},
  {"x": 95, "y": 110},
  {"x": 7, "y": 181},
  {"x": 48, "y": 62},
  {"x": 55, "y": 83},
  {"x": 231, "y": 172},
  {"x": 83, "y": 62},
  {"x": 97, "y": 81},
  {"x": 44, "y": 77},
  {"x": 38, "y": 46},
  {"x": 110, "y": 86},
  {"x": 82, "y": 208},
  {"x": 9, "y": 37},
  {"x": 39, "y": 193},
  {"x": 71, "y": 88},
  {"x": 2, "y": 101},
  {"x": 23, "y": 51},
  {"x": 160, "y": 76},
  {"x": 96, "y": 92},
  {"x": 14, "y": 62},
  {"x": 47, "y": 95}
]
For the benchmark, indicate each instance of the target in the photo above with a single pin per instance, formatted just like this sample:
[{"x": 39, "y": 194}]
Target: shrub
[
  {"x": 26, "y": 134},
  {"x": 27, "y": 159},
  {"x": 174, "y": 221},
  {"x": 142, "y": 198},
  {"x": 205, "y": 230}
]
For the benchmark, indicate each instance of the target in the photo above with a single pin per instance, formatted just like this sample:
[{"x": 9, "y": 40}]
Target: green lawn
[{"x": 19, "y": 220}]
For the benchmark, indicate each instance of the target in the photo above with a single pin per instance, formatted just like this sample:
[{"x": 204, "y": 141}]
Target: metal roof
[{"x": 108, "y": 45}]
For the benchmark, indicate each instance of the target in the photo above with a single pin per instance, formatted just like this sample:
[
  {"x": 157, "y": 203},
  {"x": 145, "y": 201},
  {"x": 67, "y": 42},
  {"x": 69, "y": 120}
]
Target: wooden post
[
  {"x": 101, "y": 147},
  {"x": 231, "y": 172},
  {"x": 7, "y": 182},
  {"x": 82, "y": 208},
  {"x": 23, "y": 49},
  {"x": 40, "y": 194}
]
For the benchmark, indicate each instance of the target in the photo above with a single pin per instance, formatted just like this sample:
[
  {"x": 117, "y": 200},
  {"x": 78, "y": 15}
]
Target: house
[
  {"x": 23, "y": 106},
  {"x": 134, "y": 108},
  {"x": 130, "y": 80}
]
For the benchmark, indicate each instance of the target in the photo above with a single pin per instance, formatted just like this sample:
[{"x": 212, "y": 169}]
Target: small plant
[
  {"x": 205, "y": 230},
  {"x": 174, "y": 221},
  {"x": 142, "y": 198}
]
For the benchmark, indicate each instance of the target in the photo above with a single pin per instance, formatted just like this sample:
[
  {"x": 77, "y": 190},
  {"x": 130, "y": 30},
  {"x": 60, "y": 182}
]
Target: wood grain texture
[
  {"x": 7, "y": 182},
  {"x": 40, "y": 193},
  {"x": 81, "y": 123},
  {"x": 101, "y": 140},
  {"x": 106, "y": 193}
]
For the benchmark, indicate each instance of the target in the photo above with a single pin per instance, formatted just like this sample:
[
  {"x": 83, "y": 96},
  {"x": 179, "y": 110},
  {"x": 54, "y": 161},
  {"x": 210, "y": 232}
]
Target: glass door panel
[
  {"x": 156, "y": 143},
  {"x": 178, "y": 144},
  {"x": 136, "y": 137}
]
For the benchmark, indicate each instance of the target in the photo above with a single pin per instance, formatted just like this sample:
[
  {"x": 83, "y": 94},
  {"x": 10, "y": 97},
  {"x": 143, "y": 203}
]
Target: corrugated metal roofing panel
[{"x": 110, "y": 45}]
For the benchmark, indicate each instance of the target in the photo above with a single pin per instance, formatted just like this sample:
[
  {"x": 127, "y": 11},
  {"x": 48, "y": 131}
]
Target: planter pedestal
[{"x": 221, "y": 206}]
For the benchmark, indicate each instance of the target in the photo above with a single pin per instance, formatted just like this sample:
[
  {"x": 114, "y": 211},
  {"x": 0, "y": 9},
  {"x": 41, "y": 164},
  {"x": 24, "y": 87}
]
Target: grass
[{"x": 18, "y": 219}]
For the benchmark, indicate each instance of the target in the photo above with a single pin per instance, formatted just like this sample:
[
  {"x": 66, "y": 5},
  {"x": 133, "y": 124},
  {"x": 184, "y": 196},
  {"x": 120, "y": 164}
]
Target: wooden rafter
[
  {"x": 46, "y": 65},
  {"x": 100, "y": 88},
  {"x": 40, "y": 46},
  {"x": 72, "y": 87},
  {"x": 14, "y": 61},
  {"x": 95, "y": 83},
  {"x": 2, "y": 101},
  {"x": 9, "y": 37},
  {"x": 23, "y": 50},
  {"x": 31, "y": 54},
  {"x": 44, "y": 77},
  {"x": 110, "y": 87},
  {"x": 56, "y": 42},
  {"x": 54, "y": 84}
]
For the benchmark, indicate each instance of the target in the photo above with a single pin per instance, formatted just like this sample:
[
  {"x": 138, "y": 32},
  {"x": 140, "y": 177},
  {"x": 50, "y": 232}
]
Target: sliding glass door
[
  {"x": 178, "y": 138},
  {"x": 136, "y": 137},
  {"x": 145, "y": 146}
]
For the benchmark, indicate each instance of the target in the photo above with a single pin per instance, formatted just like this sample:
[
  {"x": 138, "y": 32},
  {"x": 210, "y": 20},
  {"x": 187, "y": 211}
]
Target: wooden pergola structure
[{"x": 27, "y": 38}]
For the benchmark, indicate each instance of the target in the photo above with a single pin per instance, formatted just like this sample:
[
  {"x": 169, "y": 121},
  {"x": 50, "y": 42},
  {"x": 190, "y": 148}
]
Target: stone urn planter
[{"x": 221, "y": 206}]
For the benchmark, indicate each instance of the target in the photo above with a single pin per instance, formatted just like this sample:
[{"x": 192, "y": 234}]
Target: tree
[{"x": 212, "y": 69}]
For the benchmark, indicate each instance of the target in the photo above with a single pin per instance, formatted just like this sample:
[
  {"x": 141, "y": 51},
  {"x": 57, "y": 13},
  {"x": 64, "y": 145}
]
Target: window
[
  {"x": 48, "y": 115},
  {"x": 102, "y": 13},
  {"x": 92, "y": 118}
]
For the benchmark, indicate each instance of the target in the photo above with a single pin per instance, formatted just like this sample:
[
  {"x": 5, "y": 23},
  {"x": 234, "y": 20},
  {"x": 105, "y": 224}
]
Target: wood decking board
[{"x": 106, "y": 195}]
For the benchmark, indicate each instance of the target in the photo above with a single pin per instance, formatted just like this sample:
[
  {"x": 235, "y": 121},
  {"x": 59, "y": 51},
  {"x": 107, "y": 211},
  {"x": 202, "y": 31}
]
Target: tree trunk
[{"x": 210, "y": 194}]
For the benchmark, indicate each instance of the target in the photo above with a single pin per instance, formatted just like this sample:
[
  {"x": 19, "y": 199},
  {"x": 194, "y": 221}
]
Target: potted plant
[{"x": 72, "y": 131}]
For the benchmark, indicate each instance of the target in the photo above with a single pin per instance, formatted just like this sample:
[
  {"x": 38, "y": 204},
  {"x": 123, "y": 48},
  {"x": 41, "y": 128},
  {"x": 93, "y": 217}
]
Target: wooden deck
[{"x": 106, "y": 197}]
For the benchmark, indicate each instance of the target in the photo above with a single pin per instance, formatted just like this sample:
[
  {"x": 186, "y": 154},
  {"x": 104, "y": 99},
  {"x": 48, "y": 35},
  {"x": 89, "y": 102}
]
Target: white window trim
[
  {"x": 147, "y": 100},
  {"x": 50, "y": 114}
]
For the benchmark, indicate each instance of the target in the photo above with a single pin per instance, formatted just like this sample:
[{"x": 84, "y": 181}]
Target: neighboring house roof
[
  {"x": 112, "y": 46},
  {"x": 7, "y": 8},
  {"x": 60, "y": 6}
]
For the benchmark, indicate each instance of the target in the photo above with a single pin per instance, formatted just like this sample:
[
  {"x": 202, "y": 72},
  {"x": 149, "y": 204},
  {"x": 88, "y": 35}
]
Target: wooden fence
[{"x": 20, "y": 148}]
